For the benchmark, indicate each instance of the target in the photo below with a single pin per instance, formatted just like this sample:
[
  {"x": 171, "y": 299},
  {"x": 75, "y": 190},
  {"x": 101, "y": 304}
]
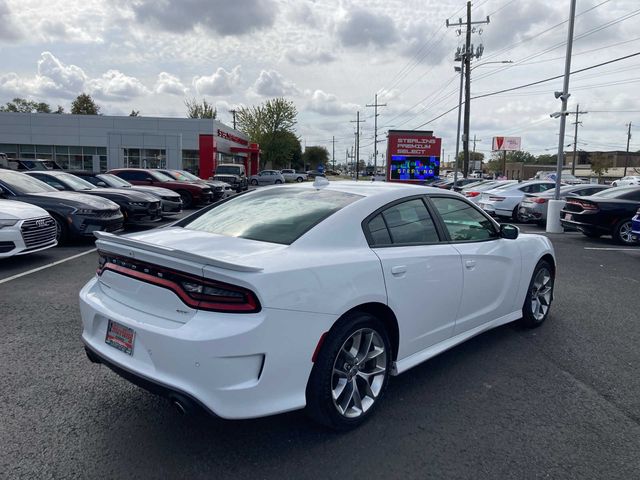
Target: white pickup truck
[{"x": 291, "y": 175}]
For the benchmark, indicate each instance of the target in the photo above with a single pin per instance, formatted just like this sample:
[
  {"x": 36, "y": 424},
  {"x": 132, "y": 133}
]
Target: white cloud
[
  {"x": 115, "y": 85},
  {"x": 169, "y": 84},
  {"x": 271, "y": 84},
  {"x": 56, "y": 77},
  {"x": 328, "y": 104},
  {"x": 306, "y": 55},
  {"x": 222, "y": 82}
]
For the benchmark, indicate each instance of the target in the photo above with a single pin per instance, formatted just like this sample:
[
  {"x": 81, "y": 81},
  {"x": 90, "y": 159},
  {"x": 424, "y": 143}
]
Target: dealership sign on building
[
  {"x": 506, "y": 143},
  {"x": 412, "y": 156}
]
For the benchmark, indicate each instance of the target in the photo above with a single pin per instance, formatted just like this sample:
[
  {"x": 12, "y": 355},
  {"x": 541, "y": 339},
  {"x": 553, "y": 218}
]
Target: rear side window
[
  {"x": 406, "y": 223},
  {"x": 133, "y": 175},
  {"x": 275, "y": 216},
  {"x": 463, "y": 222}
]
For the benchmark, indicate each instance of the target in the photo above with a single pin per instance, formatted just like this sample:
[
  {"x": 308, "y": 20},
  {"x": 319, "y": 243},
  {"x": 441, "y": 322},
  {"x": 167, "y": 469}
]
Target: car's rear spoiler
[{"x": 106, "y": 238}]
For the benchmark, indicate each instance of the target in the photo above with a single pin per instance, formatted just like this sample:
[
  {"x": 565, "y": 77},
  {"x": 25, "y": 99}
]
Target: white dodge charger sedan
[{"x": 308, "y": 295}]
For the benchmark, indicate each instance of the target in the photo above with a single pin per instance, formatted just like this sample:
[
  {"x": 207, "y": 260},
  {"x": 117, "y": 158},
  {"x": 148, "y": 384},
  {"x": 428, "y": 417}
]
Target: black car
[
  {"x": 137, "y": 207},
  {"x": 606, "y": 213},
  {"x": 76, "y": 215},
  {"x": 170, "y": 201}
]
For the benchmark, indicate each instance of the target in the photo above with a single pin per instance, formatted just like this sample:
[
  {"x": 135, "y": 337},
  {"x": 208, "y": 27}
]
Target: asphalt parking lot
[{"x": 562, "y": 401}]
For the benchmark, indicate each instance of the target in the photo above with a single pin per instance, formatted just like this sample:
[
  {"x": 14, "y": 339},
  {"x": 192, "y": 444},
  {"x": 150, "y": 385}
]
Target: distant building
[
  {"x": 102, "y": 142},
  {"x": 613, "y": 159}
]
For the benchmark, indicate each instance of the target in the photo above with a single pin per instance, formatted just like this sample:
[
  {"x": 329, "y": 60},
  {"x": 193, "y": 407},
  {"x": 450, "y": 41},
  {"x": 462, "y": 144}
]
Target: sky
[{"x": 331, "y": 57}]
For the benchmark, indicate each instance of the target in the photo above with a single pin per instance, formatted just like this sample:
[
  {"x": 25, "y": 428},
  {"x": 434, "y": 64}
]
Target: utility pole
[
  {"x": 375, "y": 131},
  {"x": 564, "y": 96},
  {"x": 333, "y": 151},
  {"x": 465, "y": 61},
  {"x": 357, "y": 121},
  {"x": 626, "y": 162},
  {"x": 233, "y": 112},
  {"x": 575, "y": 138},
  {"x": 474, "y": 150}
]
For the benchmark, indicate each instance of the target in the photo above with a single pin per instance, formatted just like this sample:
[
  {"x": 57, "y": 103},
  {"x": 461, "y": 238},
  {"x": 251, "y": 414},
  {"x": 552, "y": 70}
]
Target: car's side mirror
[
  {"x": 510, "y": 232},
  {"x": 2, "y": 192},
  {"x": 101, "y": 184}
]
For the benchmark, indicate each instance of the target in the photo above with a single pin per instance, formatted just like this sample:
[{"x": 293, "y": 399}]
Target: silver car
[
  {"x": 473, "y": 192},
  {"x": 533, "y": 207},
  {"x": 505, "y": 200},
  {"x": 266, "y": 177}
]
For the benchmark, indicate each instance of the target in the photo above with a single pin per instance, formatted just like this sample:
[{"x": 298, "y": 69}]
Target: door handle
[
  {"x": 470, "y": 264},
  {"x": 399, "y": 270}
]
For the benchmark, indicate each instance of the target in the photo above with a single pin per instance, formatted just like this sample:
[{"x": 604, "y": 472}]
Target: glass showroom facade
[{"x": 81, "y": 158}]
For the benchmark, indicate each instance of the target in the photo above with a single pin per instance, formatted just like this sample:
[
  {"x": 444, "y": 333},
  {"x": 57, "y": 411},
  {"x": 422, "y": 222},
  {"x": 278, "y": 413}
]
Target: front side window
[
  {"x": 463, "y": 222},
  {"x": 274, "y": 216},
  {"x": 406, "y": 223}
]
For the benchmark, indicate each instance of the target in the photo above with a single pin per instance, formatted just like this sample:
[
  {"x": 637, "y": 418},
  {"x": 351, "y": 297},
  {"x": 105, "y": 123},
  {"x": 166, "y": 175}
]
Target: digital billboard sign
[{"x": 412, "y": 156}]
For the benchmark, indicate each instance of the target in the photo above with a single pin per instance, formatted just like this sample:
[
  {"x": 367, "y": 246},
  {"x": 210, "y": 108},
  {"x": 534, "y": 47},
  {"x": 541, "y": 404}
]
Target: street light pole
[{"x": 455, "y": 171}]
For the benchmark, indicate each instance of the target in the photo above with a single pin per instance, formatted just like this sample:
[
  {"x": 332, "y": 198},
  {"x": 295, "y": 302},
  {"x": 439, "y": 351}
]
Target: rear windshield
[
  {"x": 614, "y": 192},
  {"x": 278, "y": 215}
]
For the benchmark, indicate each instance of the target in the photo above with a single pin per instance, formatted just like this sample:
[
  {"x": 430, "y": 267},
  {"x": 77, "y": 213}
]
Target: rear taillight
[
  {"x": 494, "y": 198},
  {"x": 539, "y": 200},
  {"x": 471, "y": 194},
  {"x": 585, "y": 205},
  {"x": 196, "y": 292}
]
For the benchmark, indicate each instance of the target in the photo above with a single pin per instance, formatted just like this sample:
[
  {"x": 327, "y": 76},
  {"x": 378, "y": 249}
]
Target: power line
[
  {"x": 529, "y": 85},
  {"x": 555, "y": 77}
]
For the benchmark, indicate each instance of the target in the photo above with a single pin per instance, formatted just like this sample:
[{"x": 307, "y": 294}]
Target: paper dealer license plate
[
  {"x": 568, "y": 217},
  {"x": 120, "y": 337}
]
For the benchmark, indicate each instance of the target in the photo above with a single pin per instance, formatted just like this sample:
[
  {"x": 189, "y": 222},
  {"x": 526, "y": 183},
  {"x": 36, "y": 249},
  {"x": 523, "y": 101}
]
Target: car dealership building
[{"x": 102, "y": 142}]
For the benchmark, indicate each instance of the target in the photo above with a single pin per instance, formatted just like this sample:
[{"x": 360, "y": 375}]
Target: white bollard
[{"x": 553, "y": 216}]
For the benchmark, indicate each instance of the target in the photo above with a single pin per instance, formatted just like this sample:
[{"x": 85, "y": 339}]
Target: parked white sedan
[
  {"x": 504, "y": 201},
  {"x": 307, "y": 295},
  {"x": 626, "y": 181},
  {"x": 25, "y": 228}
]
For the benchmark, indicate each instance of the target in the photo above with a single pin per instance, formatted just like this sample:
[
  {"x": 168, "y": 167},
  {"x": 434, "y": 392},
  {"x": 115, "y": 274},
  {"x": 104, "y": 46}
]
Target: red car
[{"x": 191, "y": 193}]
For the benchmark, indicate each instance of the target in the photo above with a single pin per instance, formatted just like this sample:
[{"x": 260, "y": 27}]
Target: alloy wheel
[
  {"x": 359, "y": 372},
  {"x": 541, "y": 294},
  {"x": 625, "y": 233}
]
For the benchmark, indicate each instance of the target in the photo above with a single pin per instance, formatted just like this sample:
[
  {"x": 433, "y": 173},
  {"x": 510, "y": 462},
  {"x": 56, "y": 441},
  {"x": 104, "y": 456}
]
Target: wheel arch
[{"x": 386, "y": 315}]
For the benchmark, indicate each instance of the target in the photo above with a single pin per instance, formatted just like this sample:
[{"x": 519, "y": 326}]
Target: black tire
[
  {"x": 299, "y": 179},
  {"x": 622, "y": 233},
  {"x": 537, "y": 302},
  {"x": 515, "y": 216},
  {"x": 254, "y": 182},
  {"x": 187, "y": 198},
  {"x": 278, "y": 182},
  {"x": 325, "y": 377},
  {"x": 62, "y": 229}
]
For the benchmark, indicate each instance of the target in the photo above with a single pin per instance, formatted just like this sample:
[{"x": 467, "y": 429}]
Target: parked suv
[
  {"x": 192, "y": 193},
  {"x": 234, "y": 174}
]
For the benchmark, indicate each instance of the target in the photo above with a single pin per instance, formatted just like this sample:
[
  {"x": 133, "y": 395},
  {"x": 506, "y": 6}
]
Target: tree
[
  {"x": 134, "y": 113},
  {"x": 84, "y": 105},
  {"x": 200, "y": 110},
  {"x": 266, "y": 124},
  {"x": 59, "y": 110},
  {"x": 22, "y": 105},
  {"x": 520, "y": 156},
  {"x": 314, "y": 156},
  {"x": 599, "y": 165},
  {"x": 546, "y": 159}
]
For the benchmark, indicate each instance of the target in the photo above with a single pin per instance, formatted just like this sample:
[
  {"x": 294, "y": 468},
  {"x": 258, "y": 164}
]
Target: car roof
[{"x": 371, "y": 189}]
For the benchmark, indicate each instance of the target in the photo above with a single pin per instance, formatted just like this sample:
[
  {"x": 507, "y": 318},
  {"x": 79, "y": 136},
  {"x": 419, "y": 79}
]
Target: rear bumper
[
  {"x": 532, "y": 213},
  {"x": 584, "y": 223},
  {"x": 234, "y": 366}
]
